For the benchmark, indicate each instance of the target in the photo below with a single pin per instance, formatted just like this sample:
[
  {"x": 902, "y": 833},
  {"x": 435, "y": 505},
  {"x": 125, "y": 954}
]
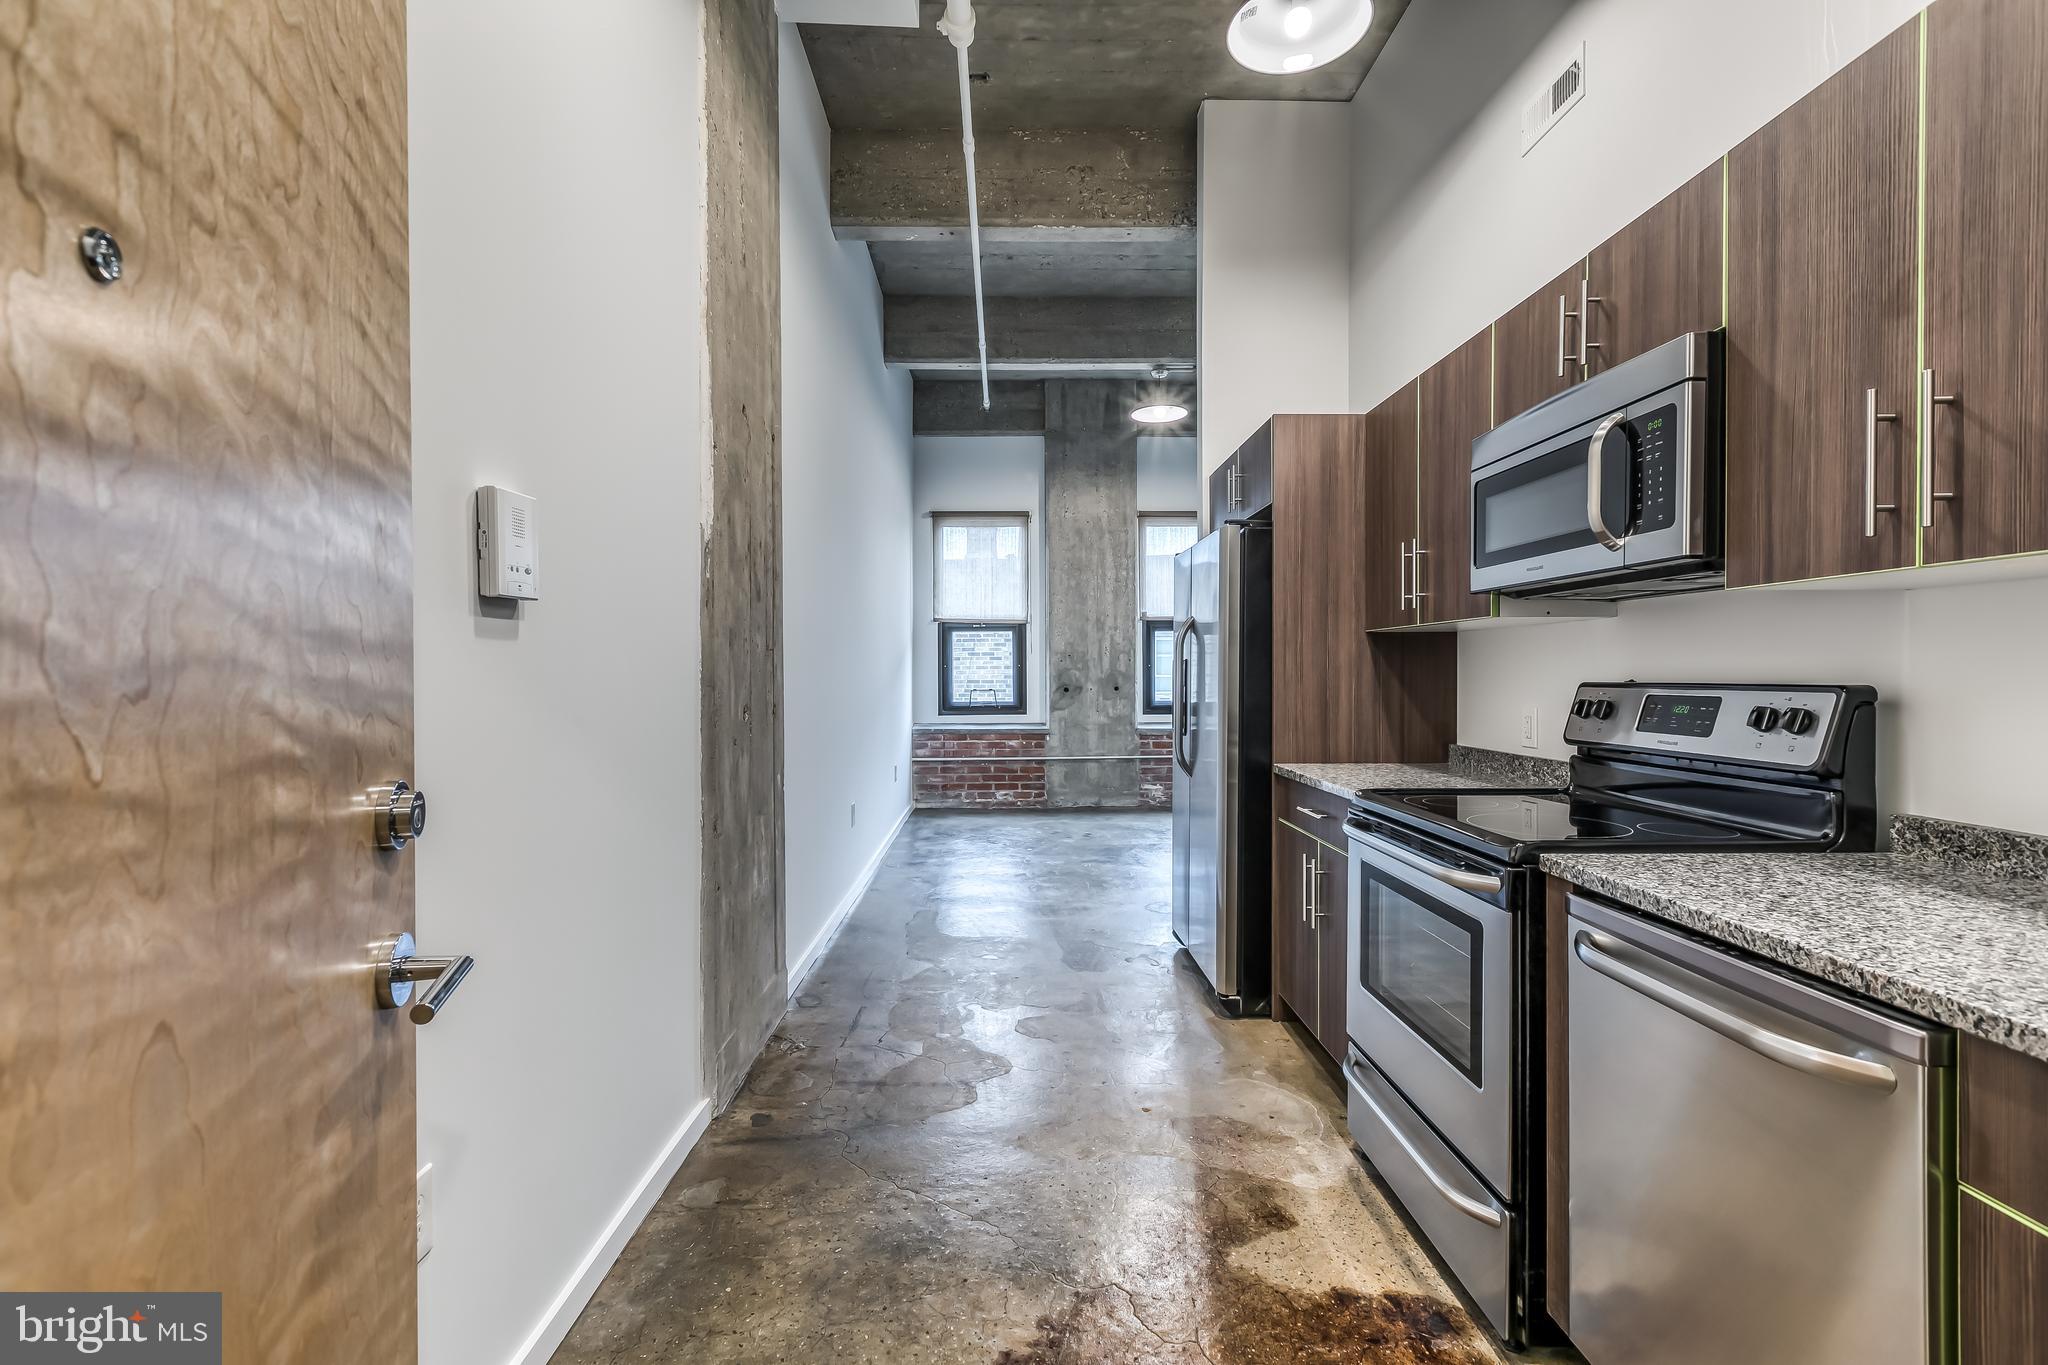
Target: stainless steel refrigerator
[{"x": 1222, "y": 753}]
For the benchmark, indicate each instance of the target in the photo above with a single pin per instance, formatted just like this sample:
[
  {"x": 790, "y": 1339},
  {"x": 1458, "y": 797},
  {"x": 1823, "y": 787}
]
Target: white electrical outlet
[
  {"x": 423, "y": 1213},
  {"x": 1529, "y": 726}
]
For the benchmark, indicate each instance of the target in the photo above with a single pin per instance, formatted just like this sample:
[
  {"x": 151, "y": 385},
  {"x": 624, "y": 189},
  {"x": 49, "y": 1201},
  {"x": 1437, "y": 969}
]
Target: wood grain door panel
[
  {"x": 1389, "y": 530},
  {"x": 1294, "y": 977},
  {"x": 1531, "y": 346},
  {"x": 1987, "y": 276},
  {"x": 205, "y": 659},
  {"x": 2003, "y": 1126},
  {"x": 2004, "y": 1288},
  {"x": 1659, "y": 277},
  {"x": 1457, "y": 409},
  {"x": 1821, "y": 308}
]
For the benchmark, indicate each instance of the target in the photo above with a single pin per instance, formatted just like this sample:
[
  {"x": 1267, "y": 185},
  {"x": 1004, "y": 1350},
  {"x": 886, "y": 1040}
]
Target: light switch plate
[
  {"x": 423, "y": 1212},
  {"x": 507, "y": 544}
]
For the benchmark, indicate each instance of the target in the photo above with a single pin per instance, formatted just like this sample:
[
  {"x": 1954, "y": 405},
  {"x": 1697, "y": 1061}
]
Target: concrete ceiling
[
  {"x": 1141, "y": 64},
  {"x": 1127, "y": 265},
  {"x": 1084, "y": 118}
]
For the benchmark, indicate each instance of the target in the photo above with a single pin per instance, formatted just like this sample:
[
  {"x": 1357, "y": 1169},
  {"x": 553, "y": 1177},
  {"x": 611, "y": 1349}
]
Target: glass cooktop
[{"x": 1523, "y": 819}]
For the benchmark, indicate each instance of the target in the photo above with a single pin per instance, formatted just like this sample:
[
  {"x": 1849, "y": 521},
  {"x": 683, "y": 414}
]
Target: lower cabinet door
[
  {"x": 1294, "y": 976},
  {"x": 2003, "y": 1264},
  {"x": 1333, "y": 889}
]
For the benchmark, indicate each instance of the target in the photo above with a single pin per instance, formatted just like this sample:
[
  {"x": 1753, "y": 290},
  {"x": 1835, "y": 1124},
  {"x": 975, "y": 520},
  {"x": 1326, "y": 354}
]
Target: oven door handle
[
  {"x": 1478, "y": 883},
  {"x": 1456, "y": 1198}
]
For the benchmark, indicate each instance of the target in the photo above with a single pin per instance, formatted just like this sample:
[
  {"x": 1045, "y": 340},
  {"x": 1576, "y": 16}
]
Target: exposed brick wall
[
  {"x": 1155, "y": 769},
  {"x": 1005, "y": 769},
  {"x": 978, "y": 769}
]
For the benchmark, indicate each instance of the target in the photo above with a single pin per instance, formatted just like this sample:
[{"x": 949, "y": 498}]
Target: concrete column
[
  {"x": 1091, "y": 505},
  {"x": 745, "y": 986}
]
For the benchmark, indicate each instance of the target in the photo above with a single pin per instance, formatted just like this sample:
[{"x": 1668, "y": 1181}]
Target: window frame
[
  {"x": 1148, "y": 627},
  {"x": 1148, "y": 624},
  {"x": 1020, "y": 639}
]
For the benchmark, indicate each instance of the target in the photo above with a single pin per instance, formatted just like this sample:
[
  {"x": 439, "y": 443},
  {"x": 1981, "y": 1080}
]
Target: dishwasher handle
[{"x": 1594, "y": 950}]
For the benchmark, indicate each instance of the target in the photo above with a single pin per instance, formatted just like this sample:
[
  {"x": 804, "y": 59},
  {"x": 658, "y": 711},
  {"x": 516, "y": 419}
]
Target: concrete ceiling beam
[
  {"x": 1074, "y": 178},
  {"x": 952, "y": 407},
  {"x": 927, "y": 330}
]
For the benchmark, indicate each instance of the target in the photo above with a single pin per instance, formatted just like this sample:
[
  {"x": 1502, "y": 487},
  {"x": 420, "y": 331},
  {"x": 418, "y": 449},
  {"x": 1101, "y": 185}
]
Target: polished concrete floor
[{"x": 1002, "y": 1124}]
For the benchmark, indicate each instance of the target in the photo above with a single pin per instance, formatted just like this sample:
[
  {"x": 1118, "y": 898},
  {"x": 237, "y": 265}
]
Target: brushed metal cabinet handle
[
  {"x": 1871, "y": 506},
  {"x": 1415, "y": 559},
  {"x": 1929, "y": 400},
  {"x": 1587, "y": 298}
]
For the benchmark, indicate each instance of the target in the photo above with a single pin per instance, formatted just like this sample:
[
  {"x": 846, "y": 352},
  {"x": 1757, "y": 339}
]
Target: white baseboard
[
  {"x": 801, "y": 967},
  {"x": 554, "y": 1324}
]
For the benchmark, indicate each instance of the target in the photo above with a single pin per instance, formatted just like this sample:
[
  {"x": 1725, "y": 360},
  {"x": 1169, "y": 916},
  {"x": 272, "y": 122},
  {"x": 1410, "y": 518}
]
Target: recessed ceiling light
[
  {"x": 1282, "y": 37},
  {"x": 1160, "y": 414}
]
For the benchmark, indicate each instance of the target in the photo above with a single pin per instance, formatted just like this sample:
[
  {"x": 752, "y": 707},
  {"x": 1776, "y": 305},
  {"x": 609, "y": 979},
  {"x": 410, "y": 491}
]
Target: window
[
  {"x": 981, "y": 595},
  {"x": 1160, "y": 538}
]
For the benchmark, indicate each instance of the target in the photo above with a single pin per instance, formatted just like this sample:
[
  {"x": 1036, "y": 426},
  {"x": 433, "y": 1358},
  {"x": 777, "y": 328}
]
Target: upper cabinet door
[
  {"x": 1984, "y": 455},
  {"x": 1390, "y": 530},
  {"x": 1457, "y": 409},
  {"x": 1821, "y": 321},
  {"x": 1223, "y": 496},
  {"x": 1657, "y": 278},
  {"x": 1536, "y": 347}
]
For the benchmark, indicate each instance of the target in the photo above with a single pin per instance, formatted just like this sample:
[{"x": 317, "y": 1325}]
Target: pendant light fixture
[
  {"x": 1286, "y": 37},
  {"x": 1159, "y": 403}
]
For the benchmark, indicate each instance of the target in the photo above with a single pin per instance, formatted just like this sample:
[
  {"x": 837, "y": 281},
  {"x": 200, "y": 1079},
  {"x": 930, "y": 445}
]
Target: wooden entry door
[{"x": 205, "y": 661}]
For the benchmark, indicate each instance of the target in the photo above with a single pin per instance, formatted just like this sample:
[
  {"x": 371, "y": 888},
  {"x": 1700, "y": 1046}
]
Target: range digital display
[{"x": 1692, "y": 717}]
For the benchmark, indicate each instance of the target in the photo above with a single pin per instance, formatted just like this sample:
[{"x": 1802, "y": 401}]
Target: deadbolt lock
[{"x": 399, "y": 814}]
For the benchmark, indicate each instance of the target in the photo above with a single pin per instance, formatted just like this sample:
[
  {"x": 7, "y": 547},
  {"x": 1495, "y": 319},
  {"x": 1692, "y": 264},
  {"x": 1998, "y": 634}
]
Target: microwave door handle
[{"x": 1595, "y": 481}]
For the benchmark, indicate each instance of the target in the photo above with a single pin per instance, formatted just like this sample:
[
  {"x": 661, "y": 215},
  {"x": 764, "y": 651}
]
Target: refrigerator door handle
[{"x": 1183, "y": 713}]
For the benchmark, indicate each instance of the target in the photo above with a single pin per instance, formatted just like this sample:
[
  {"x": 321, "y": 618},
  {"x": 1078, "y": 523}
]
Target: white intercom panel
[{"x": 507, "y": 545}]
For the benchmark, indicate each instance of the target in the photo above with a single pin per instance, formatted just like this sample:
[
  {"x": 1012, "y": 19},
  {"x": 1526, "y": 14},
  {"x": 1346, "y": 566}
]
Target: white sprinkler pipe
[{"x": 958, "y": 26}]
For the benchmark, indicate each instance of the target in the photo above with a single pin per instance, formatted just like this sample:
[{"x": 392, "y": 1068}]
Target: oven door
[{"x": 1431, "y": 995}]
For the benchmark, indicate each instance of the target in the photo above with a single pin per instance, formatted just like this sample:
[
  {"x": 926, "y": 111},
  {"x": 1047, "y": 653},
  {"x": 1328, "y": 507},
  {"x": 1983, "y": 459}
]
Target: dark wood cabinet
[
  {"x": 1310, "y": 877},
  {"x": 1456, "y": 409},
  {"x": 1984, "y": 456},
  {"x": 2003, "y": 1267},
  {"x": 1822, "y": 306},
  {"x": 1388, "y": 526},
  {"x": 1658, "y": 277},
  {"x": 2003, "y": 1253},
  {"x": 1343, "y": 511},
  {"x": 1242, "y": 485},
  {"x": 1536, "y": 346}
]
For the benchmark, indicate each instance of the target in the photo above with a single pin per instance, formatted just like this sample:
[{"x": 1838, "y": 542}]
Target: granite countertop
[
  {"x": 1465, "y": 767},
  {"x": 1958, "y": 939}
]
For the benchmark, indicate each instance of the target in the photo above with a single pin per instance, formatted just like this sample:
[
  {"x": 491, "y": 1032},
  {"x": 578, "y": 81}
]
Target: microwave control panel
[{"x": 1656, "y": 461}]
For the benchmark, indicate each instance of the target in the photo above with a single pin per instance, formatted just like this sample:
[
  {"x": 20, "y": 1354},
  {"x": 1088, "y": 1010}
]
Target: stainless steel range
[{"x": 1445, "y": 1007}]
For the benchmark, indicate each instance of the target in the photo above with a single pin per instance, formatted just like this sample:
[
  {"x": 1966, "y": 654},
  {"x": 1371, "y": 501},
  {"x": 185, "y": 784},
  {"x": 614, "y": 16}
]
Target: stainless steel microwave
[{"x": 1611, "y": 489}]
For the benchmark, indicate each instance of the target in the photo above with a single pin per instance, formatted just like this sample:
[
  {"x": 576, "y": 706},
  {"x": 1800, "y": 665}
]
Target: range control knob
[
  {"x": 1603, "y": 709},
  {"x": 1797, "y": 720},
  {"x": 1582, "y": 708},
  {"x": 1764, "y": 719}
]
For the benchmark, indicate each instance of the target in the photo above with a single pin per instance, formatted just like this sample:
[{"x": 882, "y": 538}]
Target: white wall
[
  {"x": 1452, "y": 231},
  {"x": 1169, "y": 474},
  {"x": 1274, "y": 226},
  {"x": 976, "y": 474},
  {"x": 846, "y": 552},
  {"x": 560, "y": 748}
]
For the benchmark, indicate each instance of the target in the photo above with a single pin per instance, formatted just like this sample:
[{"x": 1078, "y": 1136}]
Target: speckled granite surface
[
  {"x": 1979, "y": 848},
  {"x": 1491, "y": 767},
  {"x": 1933, "y": 936},
  {"x": 1467, "y": 768}
]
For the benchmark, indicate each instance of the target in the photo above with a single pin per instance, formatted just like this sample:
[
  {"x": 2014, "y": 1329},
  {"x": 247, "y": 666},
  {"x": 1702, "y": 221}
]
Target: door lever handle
[{"x": 400, "y": 967}]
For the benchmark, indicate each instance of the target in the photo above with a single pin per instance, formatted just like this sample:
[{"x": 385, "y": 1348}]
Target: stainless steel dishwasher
[{"x": 1760, "y": 1167}]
